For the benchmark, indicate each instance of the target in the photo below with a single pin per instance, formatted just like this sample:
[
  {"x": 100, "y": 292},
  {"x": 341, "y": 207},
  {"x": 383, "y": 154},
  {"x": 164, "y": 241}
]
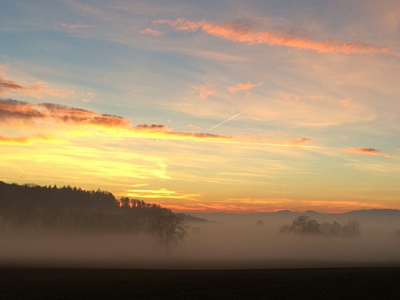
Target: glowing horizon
[{"x": 272, "y": 107}]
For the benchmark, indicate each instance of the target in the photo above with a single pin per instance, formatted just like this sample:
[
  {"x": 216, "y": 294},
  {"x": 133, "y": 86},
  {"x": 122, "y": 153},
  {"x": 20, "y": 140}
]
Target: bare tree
[
  {"x": 170, "y": 229},
  {"x": 302, "y": 224},
  {"x": 352, "y": 228}
]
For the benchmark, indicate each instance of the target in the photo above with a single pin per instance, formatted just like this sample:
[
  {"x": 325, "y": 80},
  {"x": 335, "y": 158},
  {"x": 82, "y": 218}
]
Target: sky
[{"x": 205, "y": 106}]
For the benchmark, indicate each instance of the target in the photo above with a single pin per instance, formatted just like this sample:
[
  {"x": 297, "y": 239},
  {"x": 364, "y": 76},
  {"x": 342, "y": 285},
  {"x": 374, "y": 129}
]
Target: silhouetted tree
[
  {"x": 170, "y": 229},
  {"x": 31, "y": 206},
  {"x": 352, "y": 228},
  {"x": 302, "y": 224}
]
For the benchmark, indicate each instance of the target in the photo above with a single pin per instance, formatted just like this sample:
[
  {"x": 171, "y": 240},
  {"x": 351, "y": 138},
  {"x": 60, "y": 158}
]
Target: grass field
[{"x": 312, "y": 283}]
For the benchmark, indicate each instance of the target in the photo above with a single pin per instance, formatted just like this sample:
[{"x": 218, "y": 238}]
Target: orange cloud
[
  {"x": 251, "y": 205},
  {"x": 151, "y": 128},
  {"x": 13, "y": 140},
  {"x": 23, "y": 139},
  {"x": 235, "y": 205},
  {"x": 151, "y": 31},
  {"x": 233, "y": 31},
  {"x": 13, "y": 110},
  {"x": 204, "y": 90},
  {"x": 368, "y": 151},
  {"x": 243, "y": 87},
  {"x": 7, "y": 86},
  {"x": 74, "y": 26},
  {"x": 345, "y": 102},
  {"x": 22, "y": 111},
  {"x": 160, "y": 193},
  {"x": 201, "y": 136},
  {"x": 285, "y": 142},
  {"x": 298, "y": 141}
]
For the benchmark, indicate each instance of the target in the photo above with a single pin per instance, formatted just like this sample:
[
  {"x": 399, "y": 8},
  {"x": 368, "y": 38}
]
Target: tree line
[
  {"x": 32, "y": 207},
  {"x": 306, "y": 225}
]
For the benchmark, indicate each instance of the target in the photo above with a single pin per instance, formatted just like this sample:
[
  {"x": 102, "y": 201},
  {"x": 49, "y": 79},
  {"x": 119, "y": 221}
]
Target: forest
[{"x": 33, "y": 208}]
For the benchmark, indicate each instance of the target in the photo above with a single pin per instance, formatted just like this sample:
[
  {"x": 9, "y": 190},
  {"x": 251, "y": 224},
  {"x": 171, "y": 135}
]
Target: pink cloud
[
  {"x": 368, "y": 151},
  {"x": 151, "y": 31},
  {"x": 152, "y": 127},
  {"x": 25, "y": 112},
  {"x": 299, "y": 141},
  {"x": 238, "y": 33},
  {"x": 13, "y": 112},
  {"x": 7, "y": 86},
  {"x": 243, "y": 87},
  {"x": 204, "y": 90},
  {"x": 345, "y": 102},
  {"x": 74, "y": 26}
]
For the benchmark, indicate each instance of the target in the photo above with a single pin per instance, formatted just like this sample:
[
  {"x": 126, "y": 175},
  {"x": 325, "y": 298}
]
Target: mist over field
[{"x": 226, "y": 242}]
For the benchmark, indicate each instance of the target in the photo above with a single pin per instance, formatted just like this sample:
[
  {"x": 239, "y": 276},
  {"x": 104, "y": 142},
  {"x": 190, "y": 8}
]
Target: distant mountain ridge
[{"x": 371, "y": 214}]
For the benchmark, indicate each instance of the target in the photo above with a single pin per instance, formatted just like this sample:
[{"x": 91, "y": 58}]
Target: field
[{"x": 299, "y": 283}]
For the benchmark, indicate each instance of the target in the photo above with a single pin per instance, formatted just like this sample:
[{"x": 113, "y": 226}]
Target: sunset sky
[{"x": 235, "y": 106}]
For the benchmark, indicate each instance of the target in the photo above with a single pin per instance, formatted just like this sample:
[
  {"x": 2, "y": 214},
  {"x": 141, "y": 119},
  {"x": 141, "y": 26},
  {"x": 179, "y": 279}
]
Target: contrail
[{"x": 230, "y": 118}]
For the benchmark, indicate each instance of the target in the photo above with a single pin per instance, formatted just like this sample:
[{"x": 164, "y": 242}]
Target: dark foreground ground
[{"x": 314, "y": 283}]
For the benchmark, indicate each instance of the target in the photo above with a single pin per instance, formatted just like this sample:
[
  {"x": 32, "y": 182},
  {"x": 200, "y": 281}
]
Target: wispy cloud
[
  {"x": 25, "y": 111},
  {"x": 368, "y": 151},
  {"x": 243, "y": 87},
  {"x": 23, "y": 139},
  {"x": 13, "y": 110},
  {"x": 160, "y": 193},
  {"x": 152, "y": 32},
  {"x": 204, "y": 90},
  {"x": 9, "y": 86},
  {"x": 235, "y": 31},
  {"x": 262, "y": 140},
  {"x": 74, "y": 26},
  {"x": 345, "y": 101},
  {"x": 242, "y": 205}
]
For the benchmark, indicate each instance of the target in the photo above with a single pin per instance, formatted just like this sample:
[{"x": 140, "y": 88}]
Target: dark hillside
[{"x": 36, "y": 207}]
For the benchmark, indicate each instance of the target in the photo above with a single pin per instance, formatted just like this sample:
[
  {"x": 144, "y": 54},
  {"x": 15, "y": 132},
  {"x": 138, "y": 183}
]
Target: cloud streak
[
  {"x": 204, "y": 90},
  {"x": 19, "y": 111},
  {"x": 16, "y": 113},
  {"x": 23, "y": 111},
  {"x": 367, "y": 151},
  {"x": 152, "y": 32},
  {"x": 74, "y": 26},
  {"x": 243, "y": 87},
  {"x": 27, "y": 139},
  {"x": 7, "y": 86},
  {"x": 236, "y": 32},
  {"x": 160, "y": 193}
]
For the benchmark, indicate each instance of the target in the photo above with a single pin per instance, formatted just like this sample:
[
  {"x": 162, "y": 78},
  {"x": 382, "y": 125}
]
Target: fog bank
[{"x": 230, "y": 242}]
